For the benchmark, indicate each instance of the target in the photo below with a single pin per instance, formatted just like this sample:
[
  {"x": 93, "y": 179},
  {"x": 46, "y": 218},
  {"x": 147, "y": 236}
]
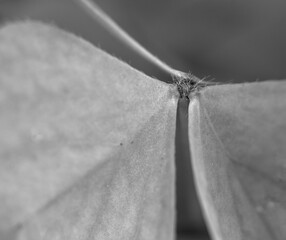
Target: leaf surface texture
[
  {"x": 237, "y": 139},
  {"x": 86, "y": 144}
]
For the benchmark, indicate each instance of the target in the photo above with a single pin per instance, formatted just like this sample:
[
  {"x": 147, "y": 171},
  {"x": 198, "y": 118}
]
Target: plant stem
[{"x": 100, "y": 16}]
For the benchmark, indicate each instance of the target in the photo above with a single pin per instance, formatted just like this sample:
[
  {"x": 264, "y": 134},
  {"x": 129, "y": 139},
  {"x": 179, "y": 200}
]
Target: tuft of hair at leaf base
[{"x": 188, "y": 84}]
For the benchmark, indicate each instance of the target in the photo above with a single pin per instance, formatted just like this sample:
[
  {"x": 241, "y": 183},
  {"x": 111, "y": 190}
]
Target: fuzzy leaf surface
[
  {"x": 237, "y": 138},
  {"x": 86, "y": 143}
]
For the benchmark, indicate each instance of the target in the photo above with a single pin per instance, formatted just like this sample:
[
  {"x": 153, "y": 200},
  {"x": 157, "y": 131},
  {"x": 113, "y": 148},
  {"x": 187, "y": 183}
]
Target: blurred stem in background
[{"x": 230, "y": 41}]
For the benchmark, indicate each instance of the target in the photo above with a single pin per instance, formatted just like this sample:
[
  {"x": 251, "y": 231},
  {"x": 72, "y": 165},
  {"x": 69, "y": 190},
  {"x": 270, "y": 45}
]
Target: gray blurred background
[{"x": 227, "y": 40}]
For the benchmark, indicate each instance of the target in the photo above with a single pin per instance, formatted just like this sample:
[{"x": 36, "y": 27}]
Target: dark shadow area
[{"x": 190, "y": 222}]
